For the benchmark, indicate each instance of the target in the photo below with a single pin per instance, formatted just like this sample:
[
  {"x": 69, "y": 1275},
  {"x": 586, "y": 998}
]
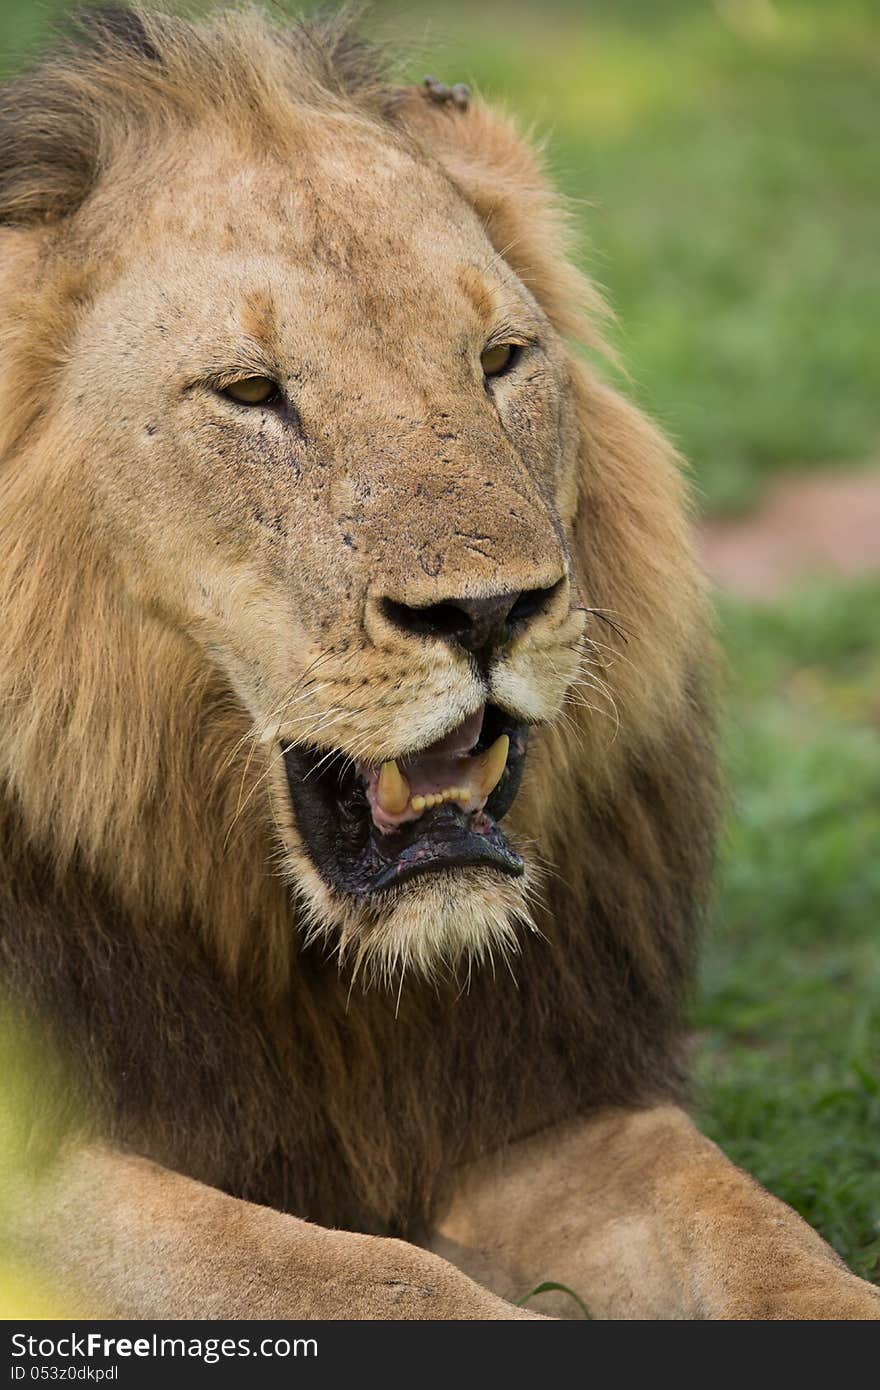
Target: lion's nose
[{"x": 479, "y": 625}]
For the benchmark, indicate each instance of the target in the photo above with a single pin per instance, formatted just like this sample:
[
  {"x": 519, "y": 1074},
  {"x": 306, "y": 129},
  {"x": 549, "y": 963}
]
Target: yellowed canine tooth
[
  {"x": 392, "y": 790},
  {"x": 493, "y": 763}
]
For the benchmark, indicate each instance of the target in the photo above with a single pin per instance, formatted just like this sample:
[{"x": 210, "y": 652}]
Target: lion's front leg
[
  {"x": 121, "y": 1237},
  {"x": 643, "y": 1217}
]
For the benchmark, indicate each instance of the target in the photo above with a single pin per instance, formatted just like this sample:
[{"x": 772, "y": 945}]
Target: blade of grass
[{"x": 551, "y": 1287}]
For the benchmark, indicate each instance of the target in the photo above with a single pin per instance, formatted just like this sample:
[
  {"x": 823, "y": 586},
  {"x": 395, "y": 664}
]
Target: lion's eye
[
  {"x": 252, "y": 390},
  {"x": 498, "y": 359}
]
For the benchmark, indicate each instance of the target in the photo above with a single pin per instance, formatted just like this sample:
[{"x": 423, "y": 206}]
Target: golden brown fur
[
  {"x": 646, "y": 1218},
  {"x": 140, "y": 843},
  {"x": 180, "y": 593}
]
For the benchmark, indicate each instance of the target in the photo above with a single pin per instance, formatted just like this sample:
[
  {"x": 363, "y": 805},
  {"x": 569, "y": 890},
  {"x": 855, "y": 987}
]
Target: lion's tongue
[
  {"x": 459, "y": 740},
  {"x": 445, "y": 771}
]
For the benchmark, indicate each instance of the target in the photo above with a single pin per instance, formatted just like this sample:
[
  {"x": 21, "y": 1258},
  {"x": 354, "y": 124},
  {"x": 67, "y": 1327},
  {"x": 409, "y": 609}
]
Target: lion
[{"x": 358, "y": 787}]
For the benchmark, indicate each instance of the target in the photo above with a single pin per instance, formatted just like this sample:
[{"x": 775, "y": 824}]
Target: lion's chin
[{"x": 444, "y": 924}]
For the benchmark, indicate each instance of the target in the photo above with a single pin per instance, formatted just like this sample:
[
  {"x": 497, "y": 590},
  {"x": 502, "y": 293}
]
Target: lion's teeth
[
  {"x": 428, "y": 800},
  {"x": 392, "y": 790},
  {"x": 493, "y": 763}
]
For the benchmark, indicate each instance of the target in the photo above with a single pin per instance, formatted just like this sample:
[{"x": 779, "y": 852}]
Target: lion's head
[{"x": 321, "y": 539}]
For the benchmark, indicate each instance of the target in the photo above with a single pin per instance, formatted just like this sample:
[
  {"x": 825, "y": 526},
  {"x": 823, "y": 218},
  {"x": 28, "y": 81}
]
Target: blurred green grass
[
  {"x": 724, "y": 157},
  {"x": 788, "y": 1015}
]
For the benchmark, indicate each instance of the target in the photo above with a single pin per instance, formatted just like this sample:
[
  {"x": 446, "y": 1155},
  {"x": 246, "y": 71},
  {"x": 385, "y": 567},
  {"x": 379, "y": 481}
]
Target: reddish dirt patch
[{"x": 824, "y": 524}]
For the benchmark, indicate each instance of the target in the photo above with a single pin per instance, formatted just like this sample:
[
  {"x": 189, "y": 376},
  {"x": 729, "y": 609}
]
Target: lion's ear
[{"x": 527, "y": 220}]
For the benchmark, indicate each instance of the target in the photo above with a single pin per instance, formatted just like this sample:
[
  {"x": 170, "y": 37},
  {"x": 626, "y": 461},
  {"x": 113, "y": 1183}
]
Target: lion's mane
[{"x": 160, "y": 952}]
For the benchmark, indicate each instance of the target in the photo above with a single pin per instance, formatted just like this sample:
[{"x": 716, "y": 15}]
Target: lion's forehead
[
  {"x": 342, "y": 244},
  {"x": 347, "y": 205},
  {"x": 276, "y": 266}
]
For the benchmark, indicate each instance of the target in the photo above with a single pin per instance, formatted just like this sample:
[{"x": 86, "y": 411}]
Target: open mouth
[{"x": 369, "y": 827}]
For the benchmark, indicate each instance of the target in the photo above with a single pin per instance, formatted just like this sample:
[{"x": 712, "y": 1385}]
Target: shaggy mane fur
[
  {"x": 166, "y": 962},
  {"x": 127, "y": 77}
]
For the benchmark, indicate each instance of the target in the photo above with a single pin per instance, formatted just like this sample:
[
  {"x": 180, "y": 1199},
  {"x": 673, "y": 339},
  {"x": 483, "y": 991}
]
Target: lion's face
[{"x": 352, "y": 481}]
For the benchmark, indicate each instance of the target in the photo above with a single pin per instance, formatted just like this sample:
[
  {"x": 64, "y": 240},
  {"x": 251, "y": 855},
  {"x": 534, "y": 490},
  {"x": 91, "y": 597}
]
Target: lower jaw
[{"x": 447, "y": 844}]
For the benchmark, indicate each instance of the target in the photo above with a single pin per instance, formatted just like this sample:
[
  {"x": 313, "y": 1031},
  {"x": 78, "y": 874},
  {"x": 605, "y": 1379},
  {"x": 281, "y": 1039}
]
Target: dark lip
[{"x": 333, "y": 818}]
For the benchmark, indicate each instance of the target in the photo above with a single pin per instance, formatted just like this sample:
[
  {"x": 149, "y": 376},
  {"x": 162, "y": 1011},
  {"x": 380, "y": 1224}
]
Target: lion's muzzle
[{"x": 370, "y": 826}]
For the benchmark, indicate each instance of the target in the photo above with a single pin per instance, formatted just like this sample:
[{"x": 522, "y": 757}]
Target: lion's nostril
[
  {"x": 531, "y": 602},
  {"x": 436, "y": 620},
  {"x": 477, "y": 624}
]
